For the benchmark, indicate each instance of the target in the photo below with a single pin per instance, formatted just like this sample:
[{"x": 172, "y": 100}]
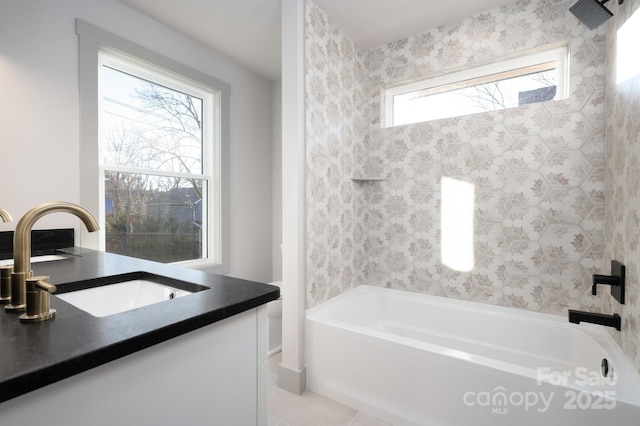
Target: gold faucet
[
  {"x": 32, "y": 294},
  {"x": 5, "y": 216}
]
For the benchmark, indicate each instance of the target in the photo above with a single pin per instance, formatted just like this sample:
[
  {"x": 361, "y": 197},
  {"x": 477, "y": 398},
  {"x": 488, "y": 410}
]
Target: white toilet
[{"x": 274, "y": 321}]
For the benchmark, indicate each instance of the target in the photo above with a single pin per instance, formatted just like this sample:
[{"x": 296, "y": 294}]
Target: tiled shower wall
[
  {"x": 537, "y": 170},
  {"x": 333, "y": 132},
  {"x": 622, "y": 219}
]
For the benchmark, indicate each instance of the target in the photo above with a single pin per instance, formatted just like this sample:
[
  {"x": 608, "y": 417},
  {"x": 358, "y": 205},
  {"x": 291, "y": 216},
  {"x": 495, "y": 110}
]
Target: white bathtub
[{"x": 414, "y": 359}]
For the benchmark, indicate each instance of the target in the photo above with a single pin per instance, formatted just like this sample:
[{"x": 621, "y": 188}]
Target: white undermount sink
[
  {"x": 123, "y": 296},
  {"x": 37, "y": 259}
]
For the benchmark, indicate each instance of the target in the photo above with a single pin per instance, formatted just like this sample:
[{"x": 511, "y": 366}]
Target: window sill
[{"x": 206, "y": 265}]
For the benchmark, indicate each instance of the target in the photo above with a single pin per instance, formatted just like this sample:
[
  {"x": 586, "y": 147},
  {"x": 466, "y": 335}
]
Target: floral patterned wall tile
[{"x": 536, "y": 171}]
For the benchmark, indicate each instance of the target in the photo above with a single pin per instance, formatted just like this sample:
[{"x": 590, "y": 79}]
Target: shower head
[{"x": 592, "y": 13}]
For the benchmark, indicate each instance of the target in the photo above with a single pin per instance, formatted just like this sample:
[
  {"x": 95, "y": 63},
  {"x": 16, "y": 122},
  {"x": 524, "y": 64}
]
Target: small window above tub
[{"x": 532, "y": 78}]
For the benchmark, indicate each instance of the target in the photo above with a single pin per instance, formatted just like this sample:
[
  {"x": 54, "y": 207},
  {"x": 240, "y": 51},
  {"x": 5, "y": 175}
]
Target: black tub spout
[{"x": 577, "y": 317}]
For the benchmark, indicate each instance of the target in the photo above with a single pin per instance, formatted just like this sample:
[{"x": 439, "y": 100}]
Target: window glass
[
  {"x": 150, "y": 126},
  {"x": 627, "y": 62},
  {"x": 509, "y": 84},
  {"x": 154, "y": 217}
]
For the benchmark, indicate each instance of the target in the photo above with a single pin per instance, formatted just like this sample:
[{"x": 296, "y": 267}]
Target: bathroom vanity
[{"x": 197, "y": 359}]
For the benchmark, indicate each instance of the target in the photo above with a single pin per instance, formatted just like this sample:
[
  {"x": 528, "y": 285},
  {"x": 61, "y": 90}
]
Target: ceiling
[{"x": 248, "y": 31}]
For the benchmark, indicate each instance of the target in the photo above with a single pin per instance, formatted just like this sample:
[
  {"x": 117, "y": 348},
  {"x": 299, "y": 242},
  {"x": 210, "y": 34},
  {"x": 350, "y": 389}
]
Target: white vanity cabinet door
[{"x": 211, "y": 376}]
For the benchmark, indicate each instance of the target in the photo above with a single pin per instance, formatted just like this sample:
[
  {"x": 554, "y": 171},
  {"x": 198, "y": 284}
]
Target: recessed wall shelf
[{"x": 367, "y": 179}]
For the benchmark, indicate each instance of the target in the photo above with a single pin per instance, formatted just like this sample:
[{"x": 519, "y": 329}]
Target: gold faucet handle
[
  {"x": 49, "y": 288},
  {"x": 5, "y": 282},
  {"x": 40, "y": 283},
  {"x": 37, "y": 297}
]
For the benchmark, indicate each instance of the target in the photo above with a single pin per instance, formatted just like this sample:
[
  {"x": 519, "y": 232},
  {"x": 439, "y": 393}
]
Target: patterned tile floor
[{"x": 309, "y": 409}]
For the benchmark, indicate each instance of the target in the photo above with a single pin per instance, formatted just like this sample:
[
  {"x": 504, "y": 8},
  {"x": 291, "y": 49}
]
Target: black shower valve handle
[
  {"x": 603, "y": 279},
  {"x": 616, "y": 280}
]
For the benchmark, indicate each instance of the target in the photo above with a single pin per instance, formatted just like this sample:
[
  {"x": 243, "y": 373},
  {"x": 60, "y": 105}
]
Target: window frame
[
  {"x": 93, "y": 41},
  {"x": 483, "y": 73}
]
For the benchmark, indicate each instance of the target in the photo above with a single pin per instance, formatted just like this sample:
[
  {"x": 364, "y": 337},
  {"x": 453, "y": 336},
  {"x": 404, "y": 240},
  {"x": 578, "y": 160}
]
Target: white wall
[
  {"x": 292, "y": 371},
  {"x": 277, "y": 181},
  {"x": 39, "y": 116}
]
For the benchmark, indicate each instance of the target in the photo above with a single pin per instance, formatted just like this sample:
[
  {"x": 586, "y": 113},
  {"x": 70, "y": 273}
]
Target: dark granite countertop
[{"x": 38, "y": 354}]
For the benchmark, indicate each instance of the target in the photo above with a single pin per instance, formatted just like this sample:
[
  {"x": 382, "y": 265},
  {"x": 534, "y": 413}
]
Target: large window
[
  {"x": 157, "y": 154},
  {"x": 158, "y": 143},
  {"x": 532, "y": 78},
  {"x": 627, "y": 63}
]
